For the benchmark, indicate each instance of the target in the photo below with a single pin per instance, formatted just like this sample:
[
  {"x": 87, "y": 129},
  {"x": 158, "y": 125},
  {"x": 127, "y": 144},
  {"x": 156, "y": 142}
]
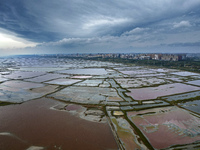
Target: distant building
[
  {"x": 157, "y": 56},
  {"x": 145, "y": 57},
  {"x": 171, "y": 57}
]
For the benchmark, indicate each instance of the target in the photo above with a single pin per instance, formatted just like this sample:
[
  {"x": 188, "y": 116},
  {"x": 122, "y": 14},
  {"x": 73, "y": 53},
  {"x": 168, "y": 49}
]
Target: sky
[{"x": 99, "y": 26}]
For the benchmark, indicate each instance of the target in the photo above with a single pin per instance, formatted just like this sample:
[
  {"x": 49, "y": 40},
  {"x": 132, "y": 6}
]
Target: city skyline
[{"x": 156, "y": 26}]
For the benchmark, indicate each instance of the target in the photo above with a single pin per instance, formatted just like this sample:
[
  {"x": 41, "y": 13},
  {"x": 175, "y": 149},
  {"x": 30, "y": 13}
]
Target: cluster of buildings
[
  {"x": 165, "y": 57},
  {"x": 134, "y": 56}
]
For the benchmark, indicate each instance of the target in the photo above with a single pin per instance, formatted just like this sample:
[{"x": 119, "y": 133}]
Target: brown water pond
[{"x": 34, "y": 124}]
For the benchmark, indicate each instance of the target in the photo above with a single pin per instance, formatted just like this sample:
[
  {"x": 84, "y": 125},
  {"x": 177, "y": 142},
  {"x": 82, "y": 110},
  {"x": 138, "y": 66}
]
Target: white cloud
[
  {"x": 80, "y": 41},
  {"x": 182, "y": 24},
  {"x": 12, "y": 42},
  {"x": 104, "y": 21},
  {"x": 135, "y": 31}
]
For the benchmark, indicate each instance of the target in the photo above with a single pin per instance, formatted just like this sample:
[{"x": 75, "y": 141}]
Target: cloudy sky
[{"x": 98, "y": 26}]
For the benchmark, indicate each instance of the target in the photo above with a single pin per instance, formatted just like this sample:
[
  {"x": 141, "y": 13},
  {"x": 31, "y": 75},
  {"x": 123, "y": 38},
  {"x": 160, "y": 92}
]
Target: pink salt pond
[
  {"x": 167, "y": 126},
  {"x": 162, "y": 90},
  {"x": 33, "y": 123}
]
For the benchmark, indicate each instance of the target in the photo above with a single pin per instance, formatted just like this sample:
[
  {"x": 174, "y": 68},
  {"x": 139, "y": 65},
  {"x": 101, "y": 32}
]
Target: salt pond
[
  {"x": 81, "y": 77},
  {"x": 90, "y": 83},
  {"x": 195, "y": 82},
  {"x": 167, "y": 126},
  {"x": 23, "y": 75},
  {"x": 86, "y": 95},
  {"x": 46, "y": 77},
  {"x": 191, "y": 105},
  {"x": 35, "y": 124},
  {"x": 182, "y": 97},
  {"x": 2, "y": 79},
  {"x": 20, "y": 91},
  {"x": 162, "y": 90},
  {"x": 140, "y": 82},
  {"x": 63, "y": 81},
  {"x": 40, "y": 69},
  {"x": 86, "y": 71},
  {"x": 185, "y": 73}
]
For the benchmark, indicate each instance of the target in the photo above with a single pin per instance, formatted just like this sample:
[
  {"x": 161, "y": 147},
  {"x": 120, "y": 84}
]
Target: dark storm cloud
[{"x": 105, "y": 23}]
